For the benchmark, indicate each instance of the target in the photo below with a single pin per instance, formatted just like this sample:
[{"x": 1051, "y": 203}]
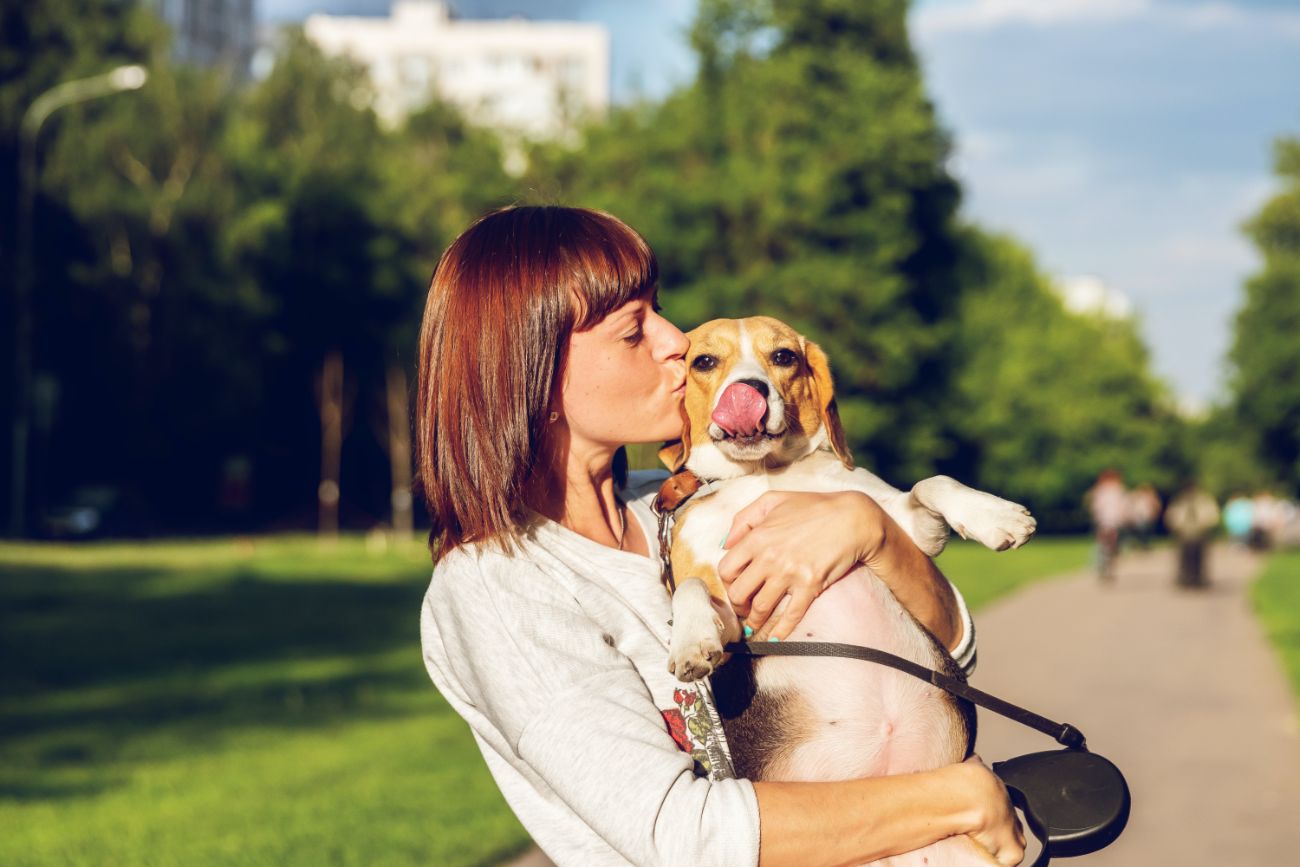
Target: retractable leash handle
[{"x": 1075, "y": 802}]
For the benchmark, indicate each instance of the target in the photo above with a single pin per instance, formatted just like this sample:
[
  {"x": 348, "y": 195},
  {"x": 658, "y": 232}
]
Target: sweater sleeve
[
  {"x": 528, "y": 667},
  {"x": 964, "y": 653}
]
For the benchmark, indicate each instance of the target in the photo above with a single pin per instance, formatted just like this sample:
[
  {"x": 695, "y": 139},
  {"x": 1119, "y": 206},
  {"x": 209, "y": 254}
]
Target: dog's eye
[
  {"x": 784, "y": 358},
  {"x": 704, "y": 363}
]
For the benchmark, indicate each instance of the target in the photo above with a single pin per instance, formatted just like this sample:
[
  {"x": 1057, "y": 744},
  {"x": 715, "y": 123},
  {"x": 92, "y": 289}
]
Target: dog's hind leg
[{"x": 992, "y": 521}]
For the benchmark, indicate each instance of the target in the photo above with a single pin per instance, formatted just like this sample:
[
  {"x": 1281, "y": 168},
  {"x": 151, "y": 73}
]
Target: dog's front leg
[
  {"x": 701, "y": 625},
  {"x": 992, "y": 521}
]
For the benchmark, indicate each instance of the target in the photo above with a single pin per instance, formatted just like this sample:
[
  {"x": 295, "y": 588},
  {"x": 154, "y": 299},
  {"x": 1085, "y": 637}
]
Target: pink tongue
[{"x": 740, "y": 410}]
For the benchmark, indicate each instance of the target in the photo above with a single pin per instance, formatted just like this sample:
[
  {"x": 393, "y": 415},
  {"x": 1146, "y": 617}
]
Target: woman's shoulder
[{"x": 474, "y": 572}]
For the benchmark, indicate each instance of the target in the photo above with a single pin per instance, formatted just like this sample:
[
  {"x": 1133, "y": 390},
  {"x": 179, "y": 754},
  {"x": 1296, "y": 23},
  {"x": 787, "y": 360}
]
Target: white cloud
[
  {"x": 1089, "y": 294},
  {"x": 984, "y": 15},
  {"x": 991, "y": 14}
]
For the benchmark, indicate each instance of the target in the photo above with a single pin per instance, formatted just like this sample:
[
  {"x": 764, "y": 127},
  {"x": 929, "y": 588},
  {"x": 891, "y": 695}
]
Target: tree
[
  {"x": 42, "y": 45},
  {"x": 803, "y": 176},
  {"x": 148, "y": 295},
  {"x": 1045, "y": 399},
  {"x": 1265, "y": 355}
]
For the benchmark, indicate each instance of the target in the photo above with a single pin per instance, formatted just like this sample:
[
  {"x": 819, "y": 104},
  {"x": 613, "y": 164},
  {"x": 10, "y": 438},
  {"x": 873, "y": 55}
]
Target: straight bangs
[
  {"x": 504, "y": 299},
  {"x": 609, "y": 265}
]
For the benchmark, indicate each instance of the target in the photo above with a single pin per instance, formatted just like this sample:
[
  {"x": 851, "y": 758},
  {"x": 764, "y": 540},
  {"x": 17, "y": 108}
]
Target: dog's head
[{"x": 757, "y": 393}]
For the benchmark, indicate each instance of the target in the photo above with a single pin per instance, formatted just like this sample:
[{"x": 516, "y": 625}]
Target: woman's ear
[
  {"x": 675, "y": 452},
  {"x": 824, "y": 394}
]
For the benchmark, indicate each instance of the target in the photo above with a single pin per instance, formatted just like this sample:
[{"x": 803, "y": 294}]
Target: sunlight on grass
[
  {"x": 984, "y": 575},
  {"x": 236, "y": 701},
  {"x": 259, "y": 701}
]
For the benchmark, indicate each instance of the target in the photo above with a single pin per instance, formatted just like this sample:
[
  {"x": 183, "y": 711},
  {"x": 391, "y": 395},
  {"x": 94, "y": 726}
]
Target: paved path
[{"x": 1180, "y": 689}]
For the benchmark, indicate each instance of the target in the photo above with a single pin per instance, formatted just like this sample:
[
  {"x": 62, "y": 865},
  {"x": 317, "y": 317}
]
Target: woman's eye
[
  {"x": 784, "y": 358},
  {"x": 704, "y": 363},
  {"x": 634, "y": 339}
]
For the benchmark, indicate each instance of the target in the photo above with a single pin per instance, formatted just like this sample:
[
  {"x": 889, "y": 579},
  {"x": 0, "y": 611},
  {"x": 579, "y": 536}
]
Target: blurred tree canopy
[
  {"x": 801, "y": 176},
  {"x": 1265, "y": 355},
  {"x": 1046, "y": 399},
  {"x": 206, "y": 246}
]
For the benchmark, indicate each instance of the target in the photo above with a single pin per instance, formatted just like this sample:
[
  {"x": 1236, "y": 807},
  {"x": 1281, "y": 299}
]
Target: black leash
[
  {"x": 1064, "y": 733},
  {"x": 1074, "y": 801}
]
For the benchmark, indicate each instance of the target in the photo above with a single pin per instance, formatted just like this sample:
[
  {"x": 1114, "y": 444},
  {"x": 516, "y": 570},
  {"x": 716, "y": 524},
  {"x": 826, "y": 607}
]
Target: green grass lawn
[
  {"x": 985, "y": 575},
  {"x": 1277, "y": 601},
  {"x": 259, "y": 702},
  {"x": 220, "y": 702}
]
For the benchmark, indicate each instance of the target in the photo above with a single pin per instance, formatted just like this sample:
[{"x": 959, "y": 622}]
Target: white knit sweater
[{"x": 556, "y": 656}]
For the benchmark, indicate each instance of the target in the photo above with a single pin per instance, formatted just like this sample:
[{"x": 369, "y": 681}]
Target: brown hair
[{"x": 504, "y": 299}]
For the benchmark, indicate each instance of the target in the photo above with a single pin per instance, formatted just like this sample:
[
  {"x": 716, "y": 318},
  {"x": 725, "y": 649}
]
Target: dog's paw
[
  {"x": 694, "y": 657},
  {"x": 696, "y": 660},
  {"x": 994, "y": 522}
]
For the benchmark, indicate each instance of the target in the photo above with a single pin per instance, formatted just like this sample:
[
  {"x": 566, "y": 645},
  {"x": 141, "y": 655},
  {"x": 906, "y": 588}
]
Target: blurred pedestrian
[
  {"x": 1269, "y": 518},
  {"x": 1239, "y": 518},
  {"x": 1107, "y": 503},
  {"x": 1143, "y": 511},
  {"x": 1191, "y": 517}
]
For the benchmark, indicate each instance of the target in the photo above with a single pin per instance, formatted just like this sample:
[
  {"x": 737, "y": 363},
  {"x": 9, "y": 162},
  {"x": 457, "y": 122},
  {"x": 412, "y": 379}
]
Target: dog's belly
[{"x": 828, "y": 718}]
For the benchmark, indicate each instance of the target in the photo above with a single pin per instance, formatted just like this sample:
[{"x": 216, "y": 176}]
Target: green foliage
[
  {"x": 1046, "y": 398},
  {"x": 801, "y": 176},
  {"x": 1226, "y": 462},
  {"x": 1265, "y": 354},
  {"x": 208, "y": 245}
]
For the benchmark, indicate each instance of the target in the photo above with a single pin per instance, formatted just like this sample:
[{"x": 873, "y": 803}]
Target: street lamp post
[{"x": 122, "y": 78}]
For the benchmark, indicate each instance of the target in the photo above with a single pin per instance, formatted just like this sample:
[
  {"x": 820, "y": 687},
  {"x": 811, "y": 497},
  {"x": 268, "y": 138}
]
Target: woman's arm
[
  {"x": 798, "y": 544},
  {"x": 550, "y": 696},
  {"x": 858, "y": 821}
]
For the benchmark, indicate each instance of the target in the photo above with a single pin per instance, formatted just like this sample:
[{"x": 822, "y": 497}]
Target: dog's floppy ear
[
  {"x": 675, "y": 452},
  {"x": 824, "y": 394}
]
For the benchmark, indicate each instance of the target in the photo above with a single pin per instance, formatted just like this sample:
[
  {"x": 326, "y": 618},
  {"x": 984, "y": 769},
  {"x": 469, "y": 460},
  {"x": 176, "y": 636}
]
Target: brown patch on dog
[
  {"x": 675, "y": 452},
  {"x": 719, "y": 338},
  {"x": 763, "y": 728},
  {"x": 823, "y": 393},
  {"x": 685, "y": 565}
]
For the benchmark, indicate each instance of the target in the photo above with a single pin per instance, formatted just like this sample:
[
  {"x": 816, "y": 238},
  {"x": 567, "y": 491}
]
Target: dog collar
[{"x": 681, "y": 486}]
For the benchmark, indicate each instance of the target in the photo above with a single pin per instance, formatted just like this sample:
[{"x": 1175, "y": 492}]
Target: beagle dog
[{"x": 760, "y": 415}]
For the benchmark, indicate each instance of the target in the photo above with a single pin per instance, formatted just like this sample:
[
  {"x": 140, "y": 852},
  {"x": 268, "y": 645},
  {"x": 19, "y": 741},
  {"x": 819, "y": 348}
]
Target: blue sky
[{"x": 1122, "y": 139}]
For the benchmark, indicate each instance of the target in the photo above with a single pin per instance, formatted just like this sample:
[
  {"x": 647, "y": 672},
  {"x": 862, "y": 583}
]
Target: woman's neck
[{"x": 578, "y": 492}]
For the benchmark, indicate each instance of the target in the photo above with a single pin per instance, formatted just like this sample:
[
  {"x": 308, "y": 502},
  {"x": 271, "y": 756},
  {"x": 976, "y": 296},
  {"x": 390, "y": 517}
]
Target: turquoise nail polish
[
  {"x": 723, "y": 543},
  {"x": 749, "y": 631},
  {"x": 774, "y": 638}
]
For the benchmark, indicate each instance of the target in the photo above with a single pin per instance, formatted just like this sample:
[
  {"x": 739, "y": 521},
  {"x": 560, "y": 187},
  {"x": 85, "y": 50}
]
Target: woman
[{"x": 545, "y": 625}]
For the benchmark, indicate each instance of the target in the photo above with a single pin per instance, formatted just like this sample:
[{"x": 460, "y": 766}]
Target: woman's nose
[{"x": 672, "y": 343}]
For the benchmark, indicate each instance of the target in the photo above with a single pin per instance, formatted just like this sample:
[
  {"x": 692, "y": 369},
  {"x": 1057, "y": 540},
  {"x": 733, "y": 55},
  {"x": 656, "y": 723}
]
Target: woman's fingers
[
  {"x": 742, "y": 589},
  {"x": 764, "y": 604},
  {"x": 999, "y": 830},
  {"x": 800, "y": 601},
  {"x": 752, "y": 515}
]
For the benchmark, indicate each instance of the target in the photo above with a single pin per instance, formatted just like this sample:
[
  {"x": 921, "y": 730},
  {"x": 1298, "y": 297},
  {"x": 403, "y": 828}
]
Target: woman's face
[{"x": 625, "y": 378}]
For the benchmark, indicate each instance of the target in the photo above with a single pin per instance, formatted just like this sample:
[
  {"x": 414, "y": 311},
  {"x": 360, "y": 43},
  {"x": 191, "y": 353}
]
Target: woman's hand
[
  {"x": 796, "y": 544},
  {"x": 994, "y": 824}
]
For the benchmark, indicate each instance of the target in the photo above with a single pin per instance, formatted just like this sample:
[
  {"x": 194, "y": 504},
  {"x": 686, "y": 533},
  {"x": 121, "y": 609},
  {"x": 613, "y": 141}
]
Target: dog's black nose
[{"x": 757, "y": 384}]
